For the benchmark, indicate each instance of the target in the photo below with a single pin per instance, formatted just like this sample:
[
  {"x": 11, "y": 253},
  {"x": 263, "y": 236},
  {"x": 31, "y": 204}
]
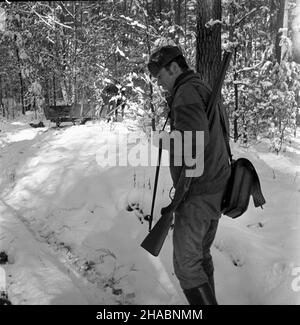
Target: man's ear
[{"x": 174, "y": 67}]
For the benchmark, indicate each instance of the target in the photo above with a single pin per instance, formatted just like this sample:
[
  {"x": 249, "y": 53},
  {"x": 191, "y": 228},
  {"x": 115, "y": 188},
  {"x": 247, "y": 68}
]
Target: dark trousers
[{"x": 196, "y": 223}]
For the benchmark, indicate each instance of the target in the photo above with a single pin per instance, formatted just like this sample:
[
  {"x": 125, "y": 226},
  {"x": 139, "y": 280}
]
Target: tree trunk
[
  {"x": 236, "y": 100},
  {"x": 296, "y": 33},
  {"x": 208, "y": 47},
  {"x": 1, "y": 96},
  {"x": 177, "y": 5},
  {"x": 278, "y": 49},
  {"x": 75, "y": 55},
  {"x": 61, "y": 39},
  {"x": 185, "y": 23},
  {"x": 284, "y": 47},
  {"x": 297, "y": 121},
  {"x": 279, "y": 24},
  {"x": 21, "y": 79},
  {"x": 150, "y": 84},
  {"x": 46, "y": 90},
  {"x": 160, "y": 4},
  {"x": 232, "y": 15},
  {"x": 54, "y": 89},
  {"x": 273, "y": 17}
]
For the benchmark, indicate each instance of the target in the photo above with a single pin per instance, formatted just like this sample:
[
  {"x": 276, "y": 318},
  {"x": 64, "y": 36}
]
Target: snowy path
[
  {"x": 76, "y": 210},
  {"x": 35, "y": 275}
]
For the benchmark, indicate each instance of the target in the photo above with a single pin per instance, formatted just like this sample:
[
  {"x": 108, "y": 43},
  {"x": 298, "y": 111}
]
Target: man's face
[{"x": 166, "y": 79}]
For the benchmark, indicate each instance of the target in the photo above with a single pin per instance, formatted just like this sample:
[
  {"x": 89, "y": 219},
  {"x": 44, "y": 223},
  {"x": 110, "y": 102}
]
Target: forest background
[{"x": 66, "y": 52}]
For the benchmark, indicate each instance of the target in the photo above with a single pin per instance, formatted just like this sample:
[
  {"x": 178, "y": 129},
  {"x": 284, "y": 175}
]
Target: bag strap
[
  {"x": 210, "y": 116},
  {"x": 256, "y": 192},
  {"x": 168, "y": 116},
  {"x": 225, "y": 133}
]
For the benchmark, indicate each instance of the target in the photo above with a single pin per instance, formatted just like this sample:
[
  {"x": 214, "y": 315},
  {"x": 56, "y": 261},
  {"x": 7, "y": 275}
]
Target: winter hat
[{"x": 162, "y": 57}]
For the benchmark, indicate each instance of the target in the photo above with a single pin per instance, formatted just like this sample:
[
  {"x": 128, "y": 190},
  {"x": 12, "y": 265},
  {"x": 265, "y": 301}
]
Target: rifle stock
[{"x": 156, "y": 237}]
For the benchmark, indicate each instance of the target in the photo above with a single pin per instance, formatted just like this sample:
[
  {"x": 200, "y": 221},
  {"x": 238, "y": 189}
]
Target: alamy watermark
[{"x": 185, "y": 148}]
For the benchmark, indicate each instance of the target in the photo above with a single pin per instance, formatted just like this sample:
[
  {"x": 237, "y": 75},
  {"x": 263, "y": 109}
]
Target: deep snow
[{"x": 70, "y": 239}]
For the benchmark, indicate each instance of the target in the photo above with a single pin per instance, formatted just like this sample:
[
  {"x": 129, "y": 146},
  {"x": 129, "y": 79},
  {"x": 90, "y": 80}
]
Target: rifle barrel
[{"x": 155, "y": 184}]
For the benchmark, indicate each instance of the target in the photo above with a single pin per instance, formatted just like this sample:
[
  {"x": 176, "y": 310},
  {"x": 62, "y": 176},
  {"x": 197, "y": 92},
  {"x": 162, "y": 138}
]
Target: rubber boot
[{"x": 202, "y": 295}]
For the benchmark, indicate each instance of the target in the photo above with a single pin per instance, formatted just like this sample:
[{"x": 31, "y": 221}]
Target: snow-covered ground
[{"x": 70, "y": 239}]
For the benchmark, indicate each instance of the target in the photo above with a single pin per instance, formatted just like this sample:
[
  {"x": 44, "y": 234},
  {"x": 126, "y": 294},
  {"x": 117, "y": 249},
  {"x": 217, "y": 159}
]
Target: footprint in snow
[
  {"x": 232, "y": 249},
  {"x": 138, "y": 212},
  {"x": 256, "y": 225},
  {"x": 3, "y": 257},
  {"x": 134, "y": 205}
]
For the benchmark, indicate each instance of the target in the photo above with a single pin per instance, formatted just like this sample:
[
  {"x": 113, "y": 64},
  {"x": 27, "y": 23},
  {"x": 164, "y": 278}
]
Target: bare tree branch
[
  {"x": 248, "y": 14},
  {"x": 66, "y": 9}
]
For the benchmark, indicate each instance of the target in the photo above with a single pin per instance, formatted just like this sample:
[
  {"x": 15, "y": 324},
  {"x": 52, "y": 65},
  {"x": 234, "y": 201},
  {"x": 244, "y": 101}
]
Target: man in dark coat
[{"x": 196, "y": 219}]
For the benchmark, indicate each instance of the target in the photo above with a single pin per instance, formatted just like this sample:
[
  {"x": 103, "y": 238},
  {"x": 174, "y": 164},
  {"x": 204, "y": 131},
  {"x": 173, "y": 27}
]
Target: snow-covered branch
[
  {"x": 212, "y": 22},
  {"x": 242, "y": 83},
  {"x": 250, "y": 68},
  {"x": 255, "y": 66},
  {"x": 247, "y": 15}
]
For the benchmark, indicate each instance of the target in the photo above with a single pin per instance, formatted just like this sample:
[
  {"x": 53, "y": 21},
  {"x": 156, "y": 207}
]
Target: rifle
[
  {"x": 156, "y": 176},
  {"x": 156, "y": 237}
]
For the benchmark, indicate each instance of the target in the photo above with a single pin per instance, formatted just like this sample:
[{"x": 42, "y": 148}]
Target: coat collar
[
  {"x": 187, "y": 75},
  {"x": 182, "y": 78}
]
